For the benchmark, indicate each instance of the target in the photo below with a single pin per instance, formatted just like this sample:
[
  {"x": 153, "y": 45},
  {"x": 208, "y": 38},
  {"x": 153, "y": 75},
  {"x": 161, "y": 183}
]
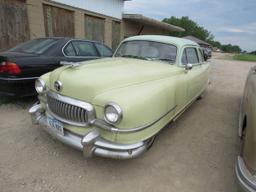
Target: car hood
[{"x": 96, "y": 77}]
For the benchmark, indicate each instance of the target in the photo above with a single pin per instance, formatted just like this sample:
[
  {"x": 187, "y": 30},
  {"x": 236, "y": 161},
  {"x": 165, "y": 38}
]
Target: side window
[
  {"x": 192, "y": 55},
  {"x": 201, "y": 56},
  {"x": 69, "y": 50},
  {"x": 84, "y": 48},
  {"x": 184, "y": 59},
  {"x": 103, "y": 50}
]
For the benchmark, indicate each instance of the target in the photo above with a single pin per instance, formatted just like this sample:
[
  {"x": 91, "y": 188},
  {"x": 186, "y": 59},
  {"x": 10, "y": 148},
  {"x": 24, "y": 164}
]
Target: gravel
[{"x": 195, "y": 153}]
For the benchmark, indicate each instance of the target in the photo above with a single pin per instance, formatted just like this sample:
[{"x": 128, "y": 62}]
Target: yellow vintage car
[
  {"x": 246, "y": 161},
  {"x": 115, "y": 107}
]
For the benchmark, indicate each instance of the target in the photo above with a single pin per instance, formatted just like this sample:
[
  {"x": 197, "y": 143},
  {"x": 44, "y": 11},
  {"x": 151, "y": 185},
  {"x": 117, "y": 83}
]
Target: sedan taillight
[{"x": 9, "y": 67}]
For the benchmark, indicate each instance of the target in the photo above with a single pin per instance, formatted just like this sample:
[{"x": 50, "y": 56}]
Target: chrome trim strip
[
  {"x": 117, "y": 108},
  {"x": 18, "y": 79},
  {"x": 66, "y": 44},
  {"x": 105, "y": 144},
  {"x": 245, "y": 178},
  {"x": 74, "y": 102},
  {"x": 120, "y": 154},
  {"x": 104, "y": 125}
]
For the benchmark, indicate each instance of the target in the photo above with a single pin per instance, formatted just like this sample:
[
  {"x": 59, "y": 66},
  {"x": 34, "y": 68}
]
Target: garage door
[
  {"x": 94, "y": 28},
  {"x": 58, "y": 22},
  {"x": 14, "y": 27},
  {"x": 116, "y": 36}
]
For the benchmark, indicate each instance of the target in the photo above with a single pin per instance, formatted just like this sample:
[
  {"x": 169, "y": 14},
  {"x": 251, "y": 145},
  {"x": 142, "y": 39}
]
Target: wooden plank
[
  {"x": 14, "y": 27},
  {"x": 94, "y": 28},
  {"x": 58, "y": 22},
  {"x": 116, "y": 34}
]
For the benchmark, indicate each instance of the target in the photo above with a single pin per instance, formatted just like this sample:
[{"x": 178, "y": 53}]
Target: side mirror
[{"x": 188, "y": 66}]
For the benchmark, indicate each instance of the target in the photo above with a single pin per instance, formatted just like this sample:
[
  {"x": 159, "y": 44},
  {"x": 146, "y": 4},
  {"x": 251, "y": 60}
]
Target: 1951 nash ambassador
[
  {"x": 115, "y": 107},
  {"x": 246, "y": 161}
]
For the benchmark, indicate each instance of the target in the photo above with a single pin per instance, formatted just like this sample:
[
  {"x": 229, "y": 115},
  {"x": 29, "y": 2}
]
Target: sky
[{"x": 230, "y": 21}]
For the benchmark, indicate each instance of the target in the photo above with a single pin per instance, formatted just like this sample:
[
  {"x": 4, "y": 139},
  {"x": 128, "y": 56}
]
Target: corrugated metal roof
[{"x": 149, "y": 21}]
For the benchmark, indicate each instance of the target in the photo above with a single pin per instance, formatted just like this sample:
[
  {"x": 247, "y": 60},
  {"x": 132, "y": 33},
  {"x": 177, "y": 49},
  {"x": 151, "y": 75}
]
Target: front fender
[{"x": 141, "y": 104}]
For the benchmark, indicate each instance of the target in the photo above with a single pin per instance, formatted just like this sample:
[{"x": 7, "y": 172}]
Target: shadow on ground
[{"x": 20, "y": 101}]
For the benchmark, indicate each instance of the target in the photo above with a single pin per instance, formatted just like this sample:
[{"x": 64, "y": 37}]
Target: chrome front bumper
[
  {"x": 92, "y": 144},
  {"x": 246, "y": 180}
]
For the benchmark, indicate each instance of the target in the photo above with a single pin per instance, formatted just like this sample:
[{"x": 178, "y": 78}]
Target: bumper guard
[
  {"x": 92, "y": 144},
  {"x": 246, "y": 180}
]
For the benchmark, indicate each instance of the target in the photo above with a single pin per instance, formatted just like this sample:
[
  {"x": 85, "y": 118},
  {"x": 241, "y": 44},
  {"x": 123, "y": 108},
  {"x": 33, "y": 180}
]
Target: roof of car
[
  {"x": 69, "y": 38},
  {"x": 163, "y": 39}
]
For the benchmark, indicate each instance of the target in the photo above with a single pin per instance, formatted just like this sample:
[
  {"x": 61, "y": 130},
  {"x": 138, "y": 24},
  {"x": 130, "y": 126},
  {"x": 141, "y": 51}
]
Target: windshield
[
  {"x": 36, "y": 46},
  {"x": 148, "y": 50}
]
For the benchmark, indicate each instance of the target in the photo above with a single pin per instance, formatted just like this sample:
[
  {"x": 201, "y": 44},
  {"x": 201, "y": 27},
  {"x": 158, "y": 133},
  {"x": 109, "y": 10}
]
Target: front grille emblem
[{"x": 58, "y": 86}]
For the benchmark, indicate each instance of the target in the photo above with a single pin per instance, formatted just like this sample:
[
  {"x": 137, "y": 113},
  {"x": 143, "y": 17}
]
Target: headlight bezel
[
  {"x": 118, "y": 111},
  {"x": 43, "y": 84}
]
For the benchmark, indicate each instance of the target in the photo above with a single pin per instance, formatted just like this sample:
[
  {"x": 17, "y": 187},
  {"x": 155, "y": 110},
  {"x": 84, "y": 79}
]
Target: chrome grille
[{"x": 65, "y": 110}]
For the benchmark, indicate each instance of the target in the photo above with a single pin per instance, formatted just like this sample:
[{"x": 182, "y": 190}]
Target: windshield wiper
[
  {"x": 134, "y": 56},
  {"x": 163, "y": 59}
]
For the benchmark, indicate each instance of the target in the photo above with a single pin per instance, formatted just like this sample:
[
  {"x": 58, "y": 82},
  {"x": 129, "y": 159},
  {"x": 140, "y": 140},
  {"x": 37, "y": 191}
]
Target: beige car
[{"x": 246, "y": 162}]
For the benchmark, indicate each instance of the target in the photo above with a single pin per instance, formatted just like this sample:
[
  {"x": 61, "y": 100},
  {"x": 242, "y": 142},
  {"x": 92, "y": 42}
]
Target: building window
[
  {"x": 94, "y": 28},
  {"x": 58, "y": 22},
  {"x": 116, "y": 34}
]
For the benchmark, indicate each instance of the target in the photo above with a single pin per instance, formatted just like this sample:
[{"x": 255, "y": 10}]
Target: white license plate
[{"x": 55, "y": 125}]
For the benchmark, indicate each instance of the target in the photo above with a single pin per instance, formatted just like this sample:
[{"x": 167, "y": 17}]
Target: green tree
[
  {"x": 191, "y": 28},
  {"x": 231, "y": 48}
]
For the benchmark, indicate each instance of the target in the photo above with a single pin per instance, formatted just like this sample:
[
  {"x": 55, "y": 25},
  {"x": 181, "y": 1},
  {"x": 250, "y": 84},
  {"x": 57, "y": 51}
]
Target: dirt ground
[{"x": 195, "y": 154}]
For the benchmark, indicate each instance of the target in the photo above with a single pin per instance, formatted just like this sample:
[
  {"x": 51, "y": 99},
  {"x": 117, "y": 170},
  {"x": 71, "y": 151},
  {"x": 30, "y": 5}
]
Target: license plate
[{"x": 55, "y": 125}]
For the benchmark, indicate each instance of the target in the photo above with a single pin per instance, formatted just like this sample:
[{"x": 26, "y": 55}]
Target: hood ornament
[
  {"x": 58, "y": 86},
  {"x": 70, "y": 64}
]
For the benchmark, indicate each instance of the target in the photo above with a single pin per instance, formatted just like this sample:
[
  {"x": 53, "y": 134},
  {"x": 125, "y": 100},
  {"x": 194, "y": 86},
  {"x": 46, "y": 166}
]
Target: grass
[{"x": 245, "y": 57}]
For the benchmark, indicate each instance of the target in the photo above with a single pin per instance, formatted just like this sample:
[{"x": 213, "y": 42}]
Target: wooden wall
[
  {"x": 94, "y": 28},
  {"x": 58, "y": 22},
  {"x": 14, "y": 27},
  {"x": 116, "y": 34}
]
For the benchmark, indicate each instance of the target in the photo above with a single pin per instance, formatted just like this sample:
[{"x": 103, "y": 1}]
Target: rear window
[{"x": 36, "y": 46}]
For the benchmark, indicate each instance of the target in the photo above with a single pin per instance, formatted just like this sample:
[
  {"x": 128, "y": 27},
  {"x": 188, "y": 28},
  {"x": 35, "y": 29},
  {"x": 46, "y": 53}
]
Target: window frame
[
  {"x": 66, "y": 46},
  {"x": 77, "y": 56},
  {"x": 197, "y": 54},
  {"x": 174, "y": 45},
  {"x": 200, "y": 50}
]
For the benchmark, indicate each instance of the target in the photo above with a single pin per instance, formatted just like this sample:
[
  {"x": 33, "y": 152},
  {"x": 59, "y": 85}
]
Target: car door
[
  {"x": 195, "y": 76},
  {"x": 78, "y": 50},
  {"x": 205, "y": 69}
]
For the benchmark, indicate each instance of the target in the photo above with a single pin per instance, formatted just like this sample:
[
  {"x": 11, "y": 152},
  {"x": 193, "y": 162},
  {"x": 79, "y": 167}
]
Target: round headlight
[
  {"x": 40, "y": 86},
  {"x": 113, "y": 113}
]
